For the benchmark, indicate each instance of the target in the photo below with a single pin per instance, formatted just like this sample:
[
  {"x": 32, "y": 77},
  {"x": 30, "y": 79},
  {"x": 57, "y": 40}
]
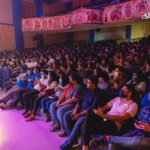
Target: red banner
[
  {"x": 47, "y": 23},
  {"x": 132, "y": 10}
]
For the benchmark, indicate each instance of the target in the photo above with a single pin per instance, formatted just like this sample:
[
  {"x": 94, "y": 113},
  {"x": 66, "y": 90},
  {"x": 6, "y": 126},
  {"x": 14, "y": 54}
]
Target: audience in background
[{"x": 69, "y": 82}]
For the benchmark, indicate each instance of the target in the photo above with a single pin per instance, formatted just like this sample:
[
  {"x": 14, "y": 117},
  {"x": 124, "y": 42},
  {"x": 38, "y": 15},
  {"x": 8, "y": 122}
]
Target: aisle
[{"x": 16, "y": 134}]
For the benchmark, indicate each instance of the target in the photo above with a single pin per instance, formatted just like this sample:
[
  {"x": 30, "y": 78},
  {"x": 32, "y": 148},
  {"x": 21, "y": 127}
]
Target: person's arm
[
  {"x": 105, "y": 108},
  {"x": 69, "y": 101},
  {"x": 83, "y": 113},
  {"x": 36, "y": 81},
  {"x": 115, "y": 118},
  {"x": 78, "y": 115},
  {"x": 42, "y": 85},
  {"x": 130, "y": 113},
  {"x": 76, "y": 109},
  {"x": 61, "y": 99},
  {"x": 118, "y": 118}
]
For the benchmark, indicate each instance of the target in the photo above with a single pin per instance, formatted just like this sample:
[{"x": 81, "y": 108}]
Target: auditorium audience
[{"x": 59, "y": 80}]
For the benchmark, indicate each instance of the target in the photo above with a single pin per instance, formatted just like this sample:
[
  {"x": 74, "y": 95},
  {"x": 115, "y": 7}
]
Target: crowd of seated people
[{"x": 83, "y": 89}]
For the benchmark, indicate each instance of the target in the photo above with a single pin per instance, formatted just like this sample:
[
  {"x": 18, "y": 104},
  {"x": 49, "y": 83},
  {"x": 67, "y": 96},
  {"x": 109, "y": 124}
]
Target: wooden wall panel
[
  {"x": 7, "y": 37},
  {"x": 28, "y": 40},
  {"x": 81, "y": 36},
  {"x": 6, "y": 11},
  {"x": 28, "y": 9},
  {"x": 54, "y": 38}
]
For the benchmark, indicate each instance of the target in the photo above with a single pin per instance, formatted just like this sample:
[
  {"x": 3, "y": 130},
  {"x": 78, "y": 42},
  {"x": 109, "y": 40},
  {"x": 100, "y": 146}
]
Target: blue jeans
[
  {"x": 72, "y": 128},
  {"x": 57, "y": 115},
  {"x": 129, "y": 143},
  {"x": 45, "y": 103}
]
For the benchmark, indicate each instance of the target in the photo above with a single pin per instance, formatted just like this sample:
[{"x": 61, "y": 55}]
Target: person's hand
[
  {"x": 37, "y": 79},
  {"x": 98, "y": 112},
  {"x": 57, "y": 105},
  {"x": 30, "y": 80},
  {"x": 137, "y": 123},
  {"x": 41, "y": 94},
  {"x": 73, "y": 113},
  {"x": 101, "y": 109},
  {"x": 56, "y": 89},
  {"x": 143, "y": 126},
  {"x": 75, "y": 117},
  {"x": 62, "y": 104}
]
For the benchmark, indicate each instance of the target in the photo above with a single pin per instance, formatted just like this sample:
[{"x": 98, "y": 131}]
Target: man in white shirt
[{"x": 110, "y": 118}]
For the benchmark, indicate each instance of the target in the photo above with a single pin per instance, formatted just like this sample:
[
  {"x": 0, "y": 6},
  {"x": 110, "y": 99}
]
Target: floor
[{"x": 16, "y": 134}]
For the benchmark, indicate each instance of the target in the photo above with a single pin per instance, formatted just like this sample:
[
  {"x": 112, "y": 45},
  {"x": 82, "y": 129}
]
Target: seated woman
[
  {"x": 102, "y": 121},
  {"x": 59, "y": 108},
  {"x": 52, "y": 77},
  {"x": 45, "y": 103}
]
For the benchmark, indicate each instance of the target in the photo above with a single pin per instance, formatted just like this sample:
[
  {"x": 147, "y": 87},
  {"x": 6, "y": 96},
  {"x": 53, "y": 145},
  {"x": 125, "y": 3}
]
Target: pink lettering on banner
[
  {"x": 27, "y": 24},
  {"x": 97, "y": 16},
  {"x": 66, "y": 21},
  {"x": 44, "y": 23},
  {"x": 49, "y": 23},
  {"x": 128, "y": 11},
  {"x": 56, "y": 22},
  {"x": 81, "y": 16},
  {"x": 37, "y": 24}
]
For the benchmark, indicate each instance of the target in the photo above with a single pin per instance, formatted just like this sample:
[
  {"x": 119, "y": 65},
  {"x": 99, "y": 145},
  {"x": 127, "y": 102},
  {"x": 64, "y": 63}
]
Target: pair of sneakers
[{"x": 67, "y": 146}]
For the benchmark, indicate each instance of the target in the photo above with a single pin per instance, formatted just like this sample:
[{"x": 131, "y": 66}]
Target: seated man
[
  {"x": 122, "y": 109},
  {"x": 59, "y": 108},
  {"x": 91, "y": 98},
  {"x": 139, "y": 138}
]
